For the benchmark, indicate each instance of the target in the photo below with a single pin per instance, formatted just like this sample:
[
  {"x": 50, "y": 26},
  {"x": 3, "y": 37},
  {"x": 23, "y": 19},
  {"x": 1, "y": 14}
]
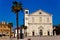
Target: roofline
[{"x": 40, "y": 10}]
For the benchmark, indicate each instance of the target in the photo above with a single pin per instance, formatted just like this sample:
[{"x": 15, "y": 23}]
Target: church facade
[{"x": 38, "y": 23}]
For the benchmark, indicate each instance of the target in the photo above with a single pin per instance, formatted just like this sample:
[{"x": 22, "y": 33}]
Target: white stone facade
[{"x": 38, "y": 23}]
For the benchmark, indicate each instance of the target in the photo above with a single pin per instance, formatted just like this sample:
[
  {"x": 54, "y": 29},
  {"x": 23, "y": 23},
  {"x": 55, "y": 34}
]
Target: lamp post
[{"x": 16, "y": 8}]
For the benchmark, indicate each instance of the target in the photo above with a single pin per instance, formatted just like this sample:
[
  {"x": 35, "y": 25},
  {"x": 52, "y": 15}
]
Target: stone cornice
[
  {"x": 39, "y": 23},
  {"x": 38, "y": 15}
]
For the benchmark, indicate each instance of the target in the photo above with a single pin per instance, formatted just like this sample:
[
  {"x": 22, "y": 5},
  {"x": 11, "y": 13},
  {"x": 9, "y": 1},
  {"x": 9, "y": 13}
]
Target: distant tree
[
  {"x": 24, "y": 27},
  {"x": 58, "y": 29},
  {"x": 10, "y": 25}
]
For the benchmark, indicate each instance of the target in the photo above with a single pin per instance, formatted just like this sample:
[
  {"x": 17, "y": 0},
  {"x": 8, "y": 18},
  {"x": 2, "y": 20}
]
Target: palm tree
[{"x": 16, "y": 8}]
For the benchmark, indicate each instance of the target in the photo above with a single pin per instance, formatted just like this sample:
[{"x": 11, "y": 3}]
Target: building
[
  {"x": 38, "y": 23},
  {"x": 5, "y": 29}
]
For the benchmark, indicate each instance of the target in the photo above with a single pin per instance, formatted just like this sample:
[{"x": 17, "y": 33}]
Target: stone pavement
[
  {"x": 44, "y": 38},
  {"x": 35, "y": 38}
]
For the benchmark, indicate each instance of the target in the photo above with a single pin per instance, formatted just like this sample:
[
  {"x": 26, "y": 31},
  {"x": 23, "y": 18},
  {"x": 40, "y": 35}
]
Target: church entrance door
[{"x": 40, "y": 32}]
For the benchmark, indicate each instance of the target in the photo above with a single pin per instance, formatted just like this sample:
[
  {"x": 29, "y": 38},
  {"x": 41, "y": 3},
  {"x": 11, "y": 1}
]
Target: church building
[{"x": 38, "y": 23}]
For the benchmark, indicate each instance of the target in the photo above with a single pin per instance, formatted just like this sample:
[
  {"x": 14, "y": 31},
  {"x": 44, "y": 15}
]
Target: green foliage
[
  {"x": 16, "y": 7},
  {"x": 23, "y": 27},
  {"x": 10, "y": 24}
]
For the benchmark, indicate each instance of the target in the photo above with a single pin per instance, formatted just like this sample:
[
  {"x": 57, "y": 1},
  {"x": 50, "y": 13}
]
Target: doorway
[
  {"x": 33, "y": 33},
  {"x": 40, "y": 33},
  {"x": 48, "y": 33}
]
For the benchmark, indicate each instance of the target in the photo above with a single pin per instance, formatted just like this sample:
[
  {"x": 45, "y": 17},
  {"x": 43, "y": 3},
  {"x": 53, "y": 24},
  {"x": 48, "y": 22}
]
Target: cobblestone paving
[{"x": 35, "y": 38}]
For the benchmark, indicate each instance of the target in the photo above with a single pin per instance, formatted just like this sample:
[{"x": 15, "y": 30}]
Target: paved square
[{"x": 35, "y": 38}]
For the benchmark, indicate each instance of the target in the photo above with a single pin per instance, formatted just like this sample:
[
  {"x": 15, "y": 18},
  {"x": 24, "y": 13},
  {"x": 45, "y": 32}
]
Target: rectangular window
[
  {"x": 32, "y": 19},
  {"x": 40, "y": 19},
  {"x": 47, "y": 19}
]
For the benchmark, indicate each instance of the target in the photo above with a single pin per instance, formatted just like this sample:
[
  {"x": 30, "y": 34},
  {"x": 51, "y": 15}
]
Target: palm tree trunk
[{"x": 17, "y": 25}]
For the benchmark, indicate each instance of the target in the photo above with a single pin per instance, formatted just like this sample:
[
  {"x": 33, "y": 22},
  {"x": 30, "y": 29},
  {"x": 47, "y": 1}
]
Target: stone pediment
[{"x": 40, "y": 12}]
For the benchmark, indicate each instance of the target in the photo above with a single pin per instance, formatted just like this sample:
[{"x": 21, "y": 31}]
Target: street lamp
[{"x": 16, "y": 8}]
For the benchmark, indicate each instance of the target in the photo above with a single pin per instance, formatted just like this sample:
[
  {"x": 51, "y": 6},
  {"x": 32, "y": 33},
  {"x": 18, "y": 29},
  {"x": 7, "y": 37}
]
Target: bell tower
[{"x": 26, "y": 13}]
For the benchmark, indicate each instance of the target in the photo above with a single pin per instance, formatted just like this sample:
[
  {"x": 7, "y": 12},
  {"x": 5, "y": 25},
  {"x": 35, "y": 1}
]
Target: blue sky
[{"x": 50, "y": 6}]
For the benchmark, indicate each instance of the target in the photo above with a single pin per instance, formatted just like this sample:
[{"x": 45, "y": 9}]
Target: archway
[{"x": 40, "y": 32}]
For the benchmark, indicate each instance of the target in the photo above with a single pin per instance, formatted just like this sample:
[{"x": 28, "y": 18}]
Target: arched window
[{"x": 26, "y": 12}]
